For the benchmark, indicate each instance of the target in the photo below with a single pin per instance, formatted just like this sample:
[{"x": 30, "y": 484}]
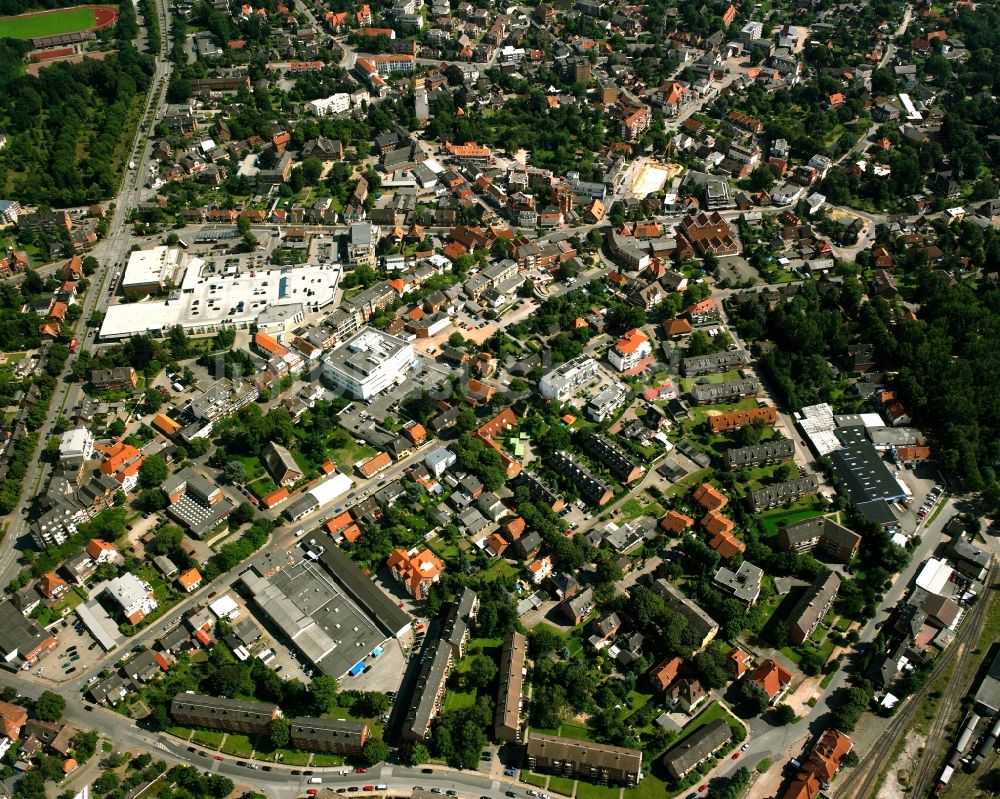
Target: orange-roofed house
[
  {"x": 190, "y": 580},
  {"x": 328, "y": 467},
  {"x": 703, "y": 313},
  {"x": 726, "y": 544},
  {"x": 268, "y": 346},
  {"x": 280, "y": 140},
  {"x": 662, "y": 675},
  {"x": 275, "y": 498},
  {"x": 101, "y": 551},
  {"x": 57, "y": 313},
  {"x": 726, "y": 422},
  {"x": 52, "y": 587},
  {"x": 822, "y": 765},
  {"x": 72, "y": 269},
  {"x": 539, "y": 569},
  {"x": 165, "y": 424},
  {"x": 717, "y": 524},
  {"x": 416, "y": 434},
  {"x": 496, "y": 544},
  {"x": 594, "y": 212},
  {"x": 771, "y": 679},
  {"x": 709, "y": 497},
  {"x": 122, "y": 462},
  {"x": 676, "y": 523},
  {"x": 373, "y": 466},
  {"x": 514, "y": 529},
  {"x": 630, "y": 350},
  {"x": 836, "y": 99},
  {"x": 417, "y": 569},
  {"x": 343, "y": 527},
  {"x": 470, "y": 152},
  {"x": 738, "y": 662},
  {"x": 69, "y": 765},
  {"x": 12, "y": 719}
]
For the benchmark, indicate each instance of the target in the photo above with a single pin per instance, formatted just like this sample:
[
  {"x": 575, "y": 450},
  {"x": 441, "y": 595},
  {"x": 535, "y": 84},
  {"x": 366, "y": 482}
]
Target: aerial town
[{"x": 542, "y": 400}]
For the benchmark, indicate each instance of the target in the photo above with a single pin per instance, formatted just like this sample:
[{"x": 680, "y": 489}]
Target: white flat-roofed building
[
  {"x": 368, "y": 363},
  {"x": 148, "y": 271},
  {"x": 76, "y": 447},
  {"x": 562, "y": 382},
  {"x": 334, "y": 104},
  {"x": 205, "y": 303},
  {"x": 135, "y": 596}
]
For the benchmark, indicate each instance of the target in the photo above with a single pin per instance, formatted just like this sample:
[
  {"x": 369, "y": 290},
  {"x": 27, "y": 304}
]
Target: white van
[
  {"x": 299, "y": 533},
  {"x": 315, "y": 780}
]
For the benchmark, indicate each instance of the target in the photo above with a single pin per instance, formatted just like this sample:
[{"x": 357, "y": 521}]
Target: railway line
[{"x": 862, "y": 782}]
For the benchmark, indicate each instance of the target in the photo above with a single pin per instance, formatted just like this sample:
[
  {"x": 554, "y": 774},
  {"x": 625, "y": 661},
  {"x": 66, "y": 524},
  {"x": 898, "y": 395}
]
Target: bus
[{"x": 182, "y": 243}]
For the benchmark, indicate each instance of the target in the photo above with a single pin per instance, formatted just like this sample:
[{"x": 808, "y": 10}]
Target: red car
[
  {"x": 703, "y": 788},
  {"x": 361, "y": 771},
  {"x": 312, "y": 792},
  {"x": 736, "y": 755},
  {"x": 368, "y": 788},
  {"x": 219, "y": 757}
]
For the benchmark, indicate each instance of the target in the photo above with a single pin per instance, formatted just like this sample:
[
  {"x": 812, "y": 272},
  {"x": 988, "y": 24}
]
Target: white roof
[
  {"x": 223, "y": 606},
  {"x": 334, "y": 486},
  {"x": 150, "y": 266},
  {"x": 934, "y": 576}
]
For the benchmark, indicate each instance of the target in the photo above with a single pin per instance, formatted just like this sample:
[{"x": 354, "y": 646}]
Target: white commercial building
[
  {"x": 562, "y": 382},
  {"x": 149, "y": 271},
  {"x": 630, "y": 351},
  {"x": 207, "y": 302},
  {"x": 334, "y": 104},
  {"x": 368, "y": 363},
  {"x": 76, "y": 447},
  {"x": 135, "y": 596}
]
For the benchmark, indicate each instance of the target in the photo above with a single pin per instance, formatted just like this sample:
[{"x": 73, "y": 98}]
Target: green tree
[
  {"x": 279, "y": 731},
  {"x": 784, "y": 715},
  {"x": 323, "y": 693},
  {"x": 153, "y": 472},
  {"x": 49, "y": 706},
  {"x": 482, "y": 672},
  {"x": 417, "y": 754},
  {"x": 375, "y": 751}
]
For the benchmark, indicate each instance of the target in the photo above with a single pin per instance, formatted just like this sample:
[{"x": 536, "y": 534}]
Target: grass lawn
[
  {"x": 27, "y": 26},
  {"x": 324, "y": 760},
  {"x": 683, "y": 485},
  {"x": 652, "y": 787},
  {"x": 180, "y": 732},
  {"x": 561, "y": 785},
  {"x": 252, "y": 466},
  {"x": 455, "y": 700},
  {"x": 538, "y": 780},
  {"x": 709, "y": 714},
  {"x": 636, "y": 700},
  {"x": 688, "y": 382},
  {"x": 586, "y": 790},
  {"x": 632, "y": 508},
  {"x": 238, "y": 745},
  {"x": 346, "y": 457},
  {"x": 289, "y": 757},
  {"x": 573, "y": 730},
  {"x": 208, "y": 738},
  {"x": 772, "y": 521}
]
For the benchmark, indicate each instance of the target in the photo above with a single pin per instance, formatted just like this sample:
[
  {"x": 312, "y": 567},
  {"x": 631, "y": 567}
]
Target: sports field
[{"x": 50, "y": 23}]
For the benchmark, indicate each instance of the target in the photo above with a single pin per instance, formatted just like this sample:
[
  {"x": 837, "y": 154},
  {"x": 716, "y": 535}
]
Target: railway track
[{"x": 862, "y": 782}]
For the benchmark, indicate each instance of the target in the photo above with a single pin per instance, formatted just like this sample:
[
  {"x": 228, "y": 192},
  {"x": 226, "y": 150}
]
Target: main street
[{"x": 109, "y": 252}]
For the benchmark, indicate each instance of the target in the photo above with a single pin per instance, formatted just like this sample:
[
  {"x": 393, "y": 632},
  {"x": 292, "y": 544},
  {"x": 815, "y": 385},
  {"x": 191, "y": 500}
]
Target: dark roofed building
[
  {"x": 222, "y": 713},
  {"x": 697, "y": 748},
  {"x": 594, "y": 490},
  {"x": 728, "y": 391},
  {"x": 771, "y": 496},
  {"x": 861, "y": 470},
  {"x": 773, "y": 451},
  {"x": 820, "y": 532},
  {"x": 697, "y": 365},
  {"x": 507, "y": 718},
  {"x": 812, "y": 607},
  {"x": 593, "y": 762},
  {"x": 334, "y": 736},
  {"x": 613, "y": 457}
]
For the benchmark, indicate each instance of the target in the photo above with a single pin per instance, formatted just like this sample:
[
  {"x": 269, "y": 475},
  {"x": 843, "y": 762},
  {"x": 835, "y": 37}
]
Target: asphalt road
[{"x": 778, "y": 743}]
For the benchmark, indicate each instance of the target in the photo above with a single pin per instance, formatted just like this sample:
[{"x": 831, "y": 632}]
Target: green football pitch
[{"x": 53, "y": 23}]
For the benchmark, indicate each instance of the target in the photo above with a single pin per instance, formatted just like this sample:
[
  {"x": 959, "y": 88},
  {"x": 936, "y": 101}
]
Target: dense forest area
[
  {"x": 946, "y": 360},
  {"x": 69, "y": 127}
]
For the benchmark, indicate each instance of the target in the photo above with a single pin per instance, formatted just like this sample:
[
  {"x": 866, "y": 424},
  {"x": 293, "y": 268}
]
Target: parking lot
[{"x": 76, "y": 651}]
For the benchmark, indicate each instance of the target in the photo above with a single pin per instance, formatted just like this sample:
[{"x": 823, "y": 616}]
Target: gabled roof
[{"x": 771, "y": 677}]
